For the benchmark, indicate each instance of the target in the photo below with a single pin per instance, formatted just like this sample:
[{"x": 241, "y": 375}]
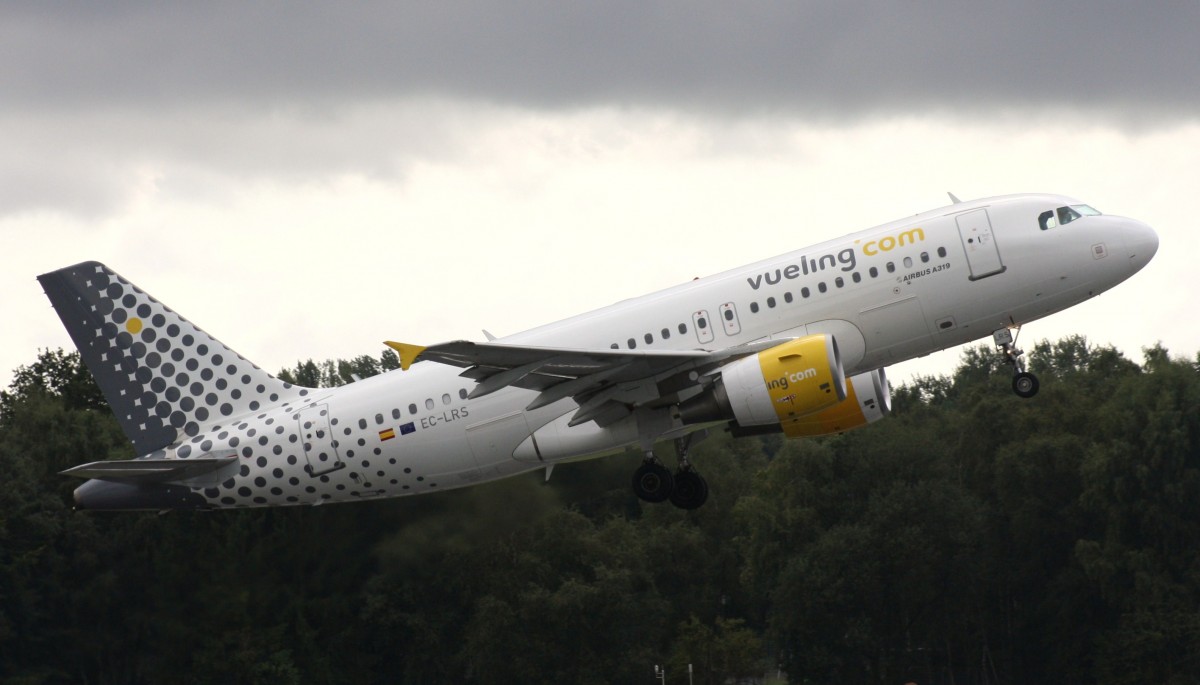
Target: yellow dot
[{"x": 134, "y": 325}]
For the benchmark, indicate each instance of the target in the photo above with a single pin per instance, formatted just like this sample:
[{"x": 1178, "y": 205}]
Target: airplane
[{"x": 795, "y": 344}]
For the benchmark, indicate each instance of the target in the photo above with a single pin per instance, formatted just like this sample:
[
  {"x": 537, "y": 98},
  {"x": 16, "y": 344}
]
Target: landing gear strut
[
  {"x": 653, "y": 482},
  {"x": 1024, "y": 384}
]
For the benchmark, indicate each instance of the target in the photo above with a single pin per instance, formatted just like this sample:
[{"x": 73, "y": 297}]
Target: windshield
[{"x": 1064, "y": 215}]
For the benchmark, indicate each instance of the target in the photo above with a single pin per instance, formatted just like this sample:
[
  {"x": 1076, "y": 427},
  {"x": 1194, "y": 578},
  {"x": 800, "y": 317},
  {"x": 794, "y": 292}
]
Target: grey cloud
[{"x": 827, "y": 59}]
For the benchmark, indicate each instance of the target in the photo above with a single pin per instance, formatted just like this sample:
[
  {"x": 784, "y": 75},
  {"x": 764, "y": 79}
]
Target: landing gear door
[
  {"x": 979, "y": 243},
  {"x": 703, "y": 326}
]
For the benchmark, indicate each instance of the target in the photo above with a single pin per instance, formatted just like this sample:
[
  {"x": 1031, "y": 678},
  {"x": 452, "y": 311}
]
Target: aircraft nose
[{"x": 1142, "y": 242}]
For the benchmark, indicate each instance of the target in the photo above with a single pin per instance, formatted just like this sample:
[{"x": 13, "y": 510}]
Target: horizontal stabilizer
[{"x": 149, "y": 470}]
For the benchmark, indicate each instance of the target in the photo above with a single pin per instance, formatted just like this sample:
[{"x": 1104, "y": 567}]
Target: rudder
[{"x": 164, "y": 377}]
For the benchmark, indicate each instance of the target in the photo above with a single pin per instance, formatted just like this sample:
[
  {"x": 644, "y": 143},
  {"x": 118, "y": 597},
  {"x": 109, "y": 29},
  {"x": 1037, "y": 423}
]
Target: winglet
[{"x": 408, "y": 353}]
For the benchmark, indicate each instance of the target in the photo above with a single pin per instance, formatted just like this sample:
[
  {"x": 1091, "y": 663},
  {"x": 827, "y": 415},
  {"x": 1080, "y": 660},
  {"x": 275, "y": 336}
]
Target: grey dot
[
  {"x": 188, "y": 340},
  {"x": 202, "y": 350},
  {"x": 119, "y": 316},
  {"x": 244, "y": 491},
  {"x": 148, "y": 335},
  {"x": 129, "y": 300},
  {"x": 206, "y": 375},
  {"x": 182, "y": 379},
  {"x": 158, "y": 320},
  {"x": 177, "y": 354},
  {"x": 178, "y": 419},
  {"x": 246, "y": 379},
  {"x": 226, "y": 409},
  {"x": 144, "y": 375},
  {"x": 191, "y": 429},
  {"x": 233, "y": 442},
  {"x": 124, "y": 340},
  {"x": 153, "y": 360},
  {"x": 217, "y": 360},
  {"x": 172, "y": 394},
  {"x": 202, "y": 414},
  {"x": 173, "y": 330},
  {"x": 105, "y": 307},
  {"x": 143, "y": 310},
  {"x": 114, "y": 291},
  {"x": 162, "y": 345},
  {"x": 197, "y": 389},
  {"x": 206, "y": 445},
  {"x": 192, "y": 365},
  {"x": 185, "y": 451},
  {"x": 162, "y": 409},
  {"x": 246, "y": 452}
]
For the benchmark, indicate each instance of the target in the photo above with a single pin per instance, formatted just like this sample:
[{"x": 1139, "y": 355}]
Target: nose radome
[{"x": 1142, "y": 242}]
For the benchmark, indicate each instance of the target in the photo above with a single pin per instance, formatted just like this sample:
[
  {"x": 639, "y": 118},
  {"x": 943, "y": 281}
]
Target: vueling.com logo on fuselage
[
  {"x": 846, "y": 258},
  {"x": 785, "y": 381}
]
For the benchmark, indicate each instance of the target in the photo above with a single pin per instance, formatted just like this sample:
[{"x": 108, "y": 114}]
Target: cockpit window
[
  {"x": 1046, "y": 219},
  {"x": 1064, "y": 215}
]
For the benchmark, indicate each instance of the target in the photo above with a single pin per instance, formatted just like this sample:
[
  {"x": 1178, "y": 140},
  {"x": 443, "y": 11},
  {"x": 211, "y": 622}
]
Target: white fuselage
[{"x": 887, "y": 294}]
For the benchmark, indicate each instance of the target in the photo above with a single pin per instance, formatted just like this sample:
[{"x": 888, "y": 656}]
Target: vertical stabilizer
[{"x": 164, "y": 377}]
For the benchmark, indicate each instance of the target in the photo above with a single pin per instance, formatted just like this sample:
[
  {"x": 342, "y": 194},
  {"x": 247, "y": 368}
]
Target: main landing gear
[
  {"x": 653, "y": 482},
  {"x": 1024, "y": 384}
]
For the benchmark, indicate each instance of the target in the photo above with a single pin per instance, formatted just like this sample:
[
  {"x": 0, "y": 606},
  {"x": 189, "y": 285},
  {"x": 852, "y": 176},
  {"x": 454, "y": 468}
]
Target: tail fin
[{"x": 164, "y": 377}]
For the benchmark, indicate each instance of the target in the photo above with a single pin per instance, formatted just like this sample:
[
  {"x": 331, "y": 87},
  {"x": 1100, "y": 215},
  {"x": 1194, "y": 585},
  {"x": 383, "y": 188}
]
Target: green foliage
[{"x": 972, "y": 537}]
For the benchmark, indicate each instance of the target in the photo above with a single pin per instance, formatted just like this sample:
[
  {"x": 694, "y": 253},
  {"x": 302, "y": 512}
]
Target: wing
[{"x": 606, "y": 384}]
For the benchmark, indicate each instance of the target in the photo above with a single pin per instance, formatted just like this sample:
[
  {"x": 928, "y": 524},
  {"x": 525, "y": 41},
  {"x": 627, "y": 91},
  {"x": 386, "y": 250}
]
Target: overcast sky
[{"x": 308, "y": 180}]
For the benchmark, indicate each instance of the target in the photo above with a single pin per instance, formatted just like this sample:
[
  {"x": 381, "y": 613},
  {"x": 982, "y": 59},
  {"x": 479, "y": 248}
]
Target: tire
[
  {"x": 691, "y": 490},
  {"x": 1025, "y": 384},
  {"x": 653, "y": 483}
]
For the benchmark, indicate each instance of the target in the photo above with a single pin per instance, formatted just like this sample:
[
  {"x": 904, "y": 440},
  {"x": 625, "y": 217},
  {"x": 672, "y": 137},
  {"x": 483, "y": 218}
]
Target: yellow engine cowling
[
  {"x": 777, "y": 385},
  {"x": 868, "y": 399}
]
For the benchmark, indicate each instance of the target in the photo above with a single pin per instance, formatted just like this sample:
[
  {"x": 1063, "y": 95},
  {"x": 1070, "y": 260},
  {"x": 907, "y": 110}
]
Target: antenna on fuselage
[{"x": 953, "y": 199}]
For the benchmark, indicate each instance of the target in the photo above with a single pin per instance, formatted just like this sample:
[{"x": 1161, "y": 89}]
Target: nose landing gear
[{"x": 1024, "y": 384}]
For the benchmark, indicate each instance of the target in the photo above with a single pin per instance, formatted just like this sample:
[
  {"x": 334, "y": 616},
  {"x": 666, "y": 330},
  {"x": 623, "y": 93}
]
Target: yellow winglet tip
[{"x": 408, "y": 353}]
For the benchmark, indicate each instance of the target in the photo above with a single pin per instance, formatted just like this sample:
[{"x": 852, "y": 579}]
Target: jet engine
[
  {"x": 777, "y": 386},
  {"x": 868, "y": 399}
]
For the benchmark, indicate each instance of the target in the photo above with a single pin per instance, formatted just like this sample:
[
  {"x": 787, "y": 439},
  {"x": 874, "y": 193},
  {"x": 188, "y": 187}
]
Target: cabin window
[
  {"x": 682, "y": 328},
  {"x": 429, "y": 403},
  {"x": 856, "y": 277},
  {"x": 787, "y": 297},
  {"x": 615, "y": 346},
  {"x": 805, "y": 292},
  {"x": 412, "y": 409},
  {"x": 666, "y": 333},
  {"x": 891, "y": 267},
  {"x": 771, "y": 302},
  {"x": 908, "y": 262},
  {"x": 839, "y": 281},
  {"x": 728, "y": 315},
  {"x": 924, "y": 257},
  {"x": 446, "y": 398},
  {"x": 395, "y": 413},
  {"x": 362, "y": 423},
  {"x": 379, "y": 419},
  {"x": 753, "y": 307},
  {"x": 648, "y": 338},
  {"x": 462, "y": 393},
  {"x": 822, "y": 287},
  {"x": 631, "y": 343},
  {"x": 941, "y": 252}
]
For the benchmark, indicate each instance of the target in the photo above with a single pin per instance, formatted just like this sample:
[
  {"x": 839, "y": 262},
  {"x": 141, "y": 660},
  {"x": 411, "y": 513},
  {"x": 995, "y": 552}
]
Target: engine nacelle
[
  {"x": 868, "y": 399},
  {"x": 778, "y": 385}
]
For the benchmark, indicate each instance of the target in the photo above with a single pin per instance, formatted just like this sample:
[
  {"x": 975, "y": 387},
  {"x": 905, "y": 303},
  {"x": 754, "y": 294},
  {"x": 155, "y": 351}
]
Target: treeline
[{"x": 973, "y": 537}]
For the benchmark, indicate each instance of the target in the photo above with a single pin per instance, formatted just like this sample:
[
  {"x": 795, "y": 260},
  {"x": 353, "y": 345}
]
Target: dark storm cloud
[{"x": 828, "y": 59}]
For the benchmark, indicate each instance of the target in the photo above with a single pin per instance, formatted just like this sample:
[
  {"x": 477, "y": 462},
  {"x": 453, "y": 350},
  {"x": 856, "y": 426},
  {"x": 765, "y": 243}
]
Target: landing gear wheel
[
  {"x": 652, "y": 482},
  {"x": 691, "y": 490},
  {"x": 1025, "y": 384}
]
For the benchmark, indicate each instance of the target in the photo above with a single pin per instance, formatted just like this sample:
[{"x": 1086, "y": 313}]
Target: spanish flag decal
[{"x": 387, "y": 434}]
